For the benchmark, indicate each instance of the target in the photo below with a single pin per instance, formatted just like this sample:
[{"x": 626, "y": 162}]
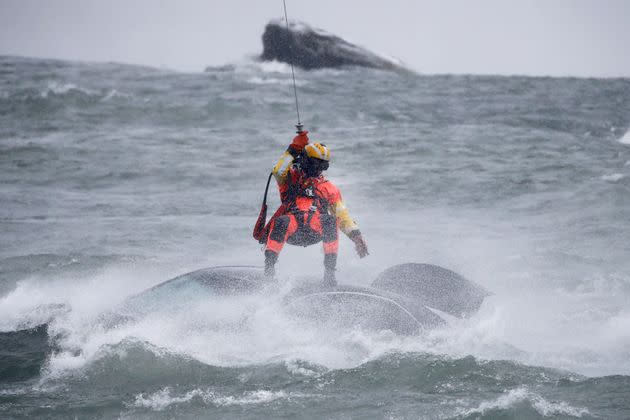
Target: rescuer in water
[{"x": 312, "y": 209}]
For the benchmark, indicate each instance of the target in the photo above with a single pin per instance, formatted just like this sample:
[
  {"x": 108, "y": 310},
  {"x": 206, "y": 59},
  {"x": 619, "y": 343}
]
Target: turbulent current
[{"x": 114, "y": 178}]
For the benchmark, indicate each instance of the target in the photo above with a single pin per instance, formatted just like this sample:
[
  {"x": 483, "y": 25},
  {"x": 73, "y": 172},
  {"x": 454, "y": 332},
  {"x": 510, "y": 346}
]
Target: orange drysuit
[{"x": 312, "y": 210}]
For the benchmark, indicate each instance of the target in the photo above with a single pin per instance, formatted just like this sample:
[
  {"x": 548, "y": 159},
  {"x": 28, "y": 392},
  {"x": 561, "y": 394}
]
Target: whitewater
[{"x": 115, "y": 178}]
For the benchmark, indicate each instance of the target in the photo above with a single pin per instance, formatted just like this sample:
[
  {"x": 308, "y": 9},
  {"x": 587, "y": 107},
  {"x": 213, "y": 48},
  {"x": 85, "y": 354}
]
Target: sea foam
[{"x": 613, "y": 177}]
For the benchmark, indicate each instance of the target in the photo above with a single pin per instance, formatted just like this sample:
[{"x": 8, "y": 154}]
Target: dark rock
[{"x": 311, "y": 48}]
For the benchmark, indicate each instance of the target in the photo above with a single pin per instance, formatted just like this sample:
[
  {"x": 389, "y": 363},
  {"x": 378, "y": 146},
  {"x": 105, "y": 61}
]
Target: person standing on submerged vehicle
[{"x": 312, "y": 209}]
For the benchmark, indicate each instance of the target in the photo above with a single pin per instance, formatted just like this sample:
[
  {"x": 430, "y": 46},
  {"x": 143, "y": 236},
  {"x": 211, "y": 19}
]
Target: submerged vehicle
[{"x": 404, "y": 299}]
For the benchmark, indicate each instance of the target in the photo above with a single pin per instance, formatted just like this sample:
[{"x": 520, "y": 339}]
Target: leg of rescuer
[
  {"x": 281, "y": 228},
  {"x": 330, "y": 239}
]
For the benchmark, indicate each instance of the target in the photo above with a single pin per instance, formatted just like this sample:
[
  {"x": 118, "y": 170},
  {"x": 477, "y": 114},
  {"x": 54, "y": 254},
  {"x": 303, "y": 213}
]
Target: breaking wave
[
  {"x": 518, "y": 402},
  {"x": 59, "y": 91},
  {"x": 164, "y": 398}
]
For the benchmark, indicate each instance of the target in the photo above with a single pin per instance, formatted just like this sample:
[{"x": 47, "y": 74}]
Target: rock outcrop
[{"x": 311, "y": 48}]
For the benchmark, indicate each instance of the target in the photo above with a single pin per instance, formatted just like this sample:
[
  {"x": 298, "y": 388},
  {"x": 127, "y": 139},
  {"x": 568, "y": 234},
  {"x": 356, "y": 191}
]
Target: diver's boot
[
  {"x": 329, "y": 278},
  {"x": 330, "y": 262},
  {"x": 270, "y": 264}
]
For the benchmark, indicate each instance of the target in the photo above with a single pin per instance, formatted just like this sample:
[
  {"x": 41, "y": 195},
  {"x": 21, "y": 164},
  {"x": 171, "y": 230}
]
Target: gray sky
[{"x": 533, "y": 37}]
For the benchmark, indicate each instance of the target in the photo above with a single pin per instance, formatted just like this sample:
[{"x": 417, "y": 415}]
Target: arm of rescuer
[
  {"x": 346, "y": 223},
  {"x": 281, "y": 169}
]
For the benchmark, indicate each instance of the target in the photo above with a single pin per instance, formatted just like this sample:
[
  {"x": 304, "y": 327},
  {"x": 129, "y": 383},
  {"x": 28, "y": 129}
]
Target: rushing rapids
[{"x": 116, "y": 178}]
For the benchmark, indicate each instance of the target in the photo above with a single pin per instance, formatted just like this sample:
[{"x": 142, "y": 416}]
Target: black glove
[{"x": 359, "y": 243}]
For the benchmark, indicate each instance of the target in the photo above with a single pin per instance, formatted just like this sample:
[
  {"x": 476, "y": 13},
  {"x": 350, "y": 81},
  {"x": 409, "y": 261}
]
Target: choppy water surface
[{"x": 114, "y": 178}]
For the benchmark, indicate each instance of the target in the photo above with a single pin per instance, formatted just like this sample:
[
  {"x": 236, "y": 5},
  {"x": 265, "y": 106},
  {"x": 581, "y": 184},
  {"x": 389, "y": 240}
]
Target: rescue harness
[{"x": 297, "y": 188}]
